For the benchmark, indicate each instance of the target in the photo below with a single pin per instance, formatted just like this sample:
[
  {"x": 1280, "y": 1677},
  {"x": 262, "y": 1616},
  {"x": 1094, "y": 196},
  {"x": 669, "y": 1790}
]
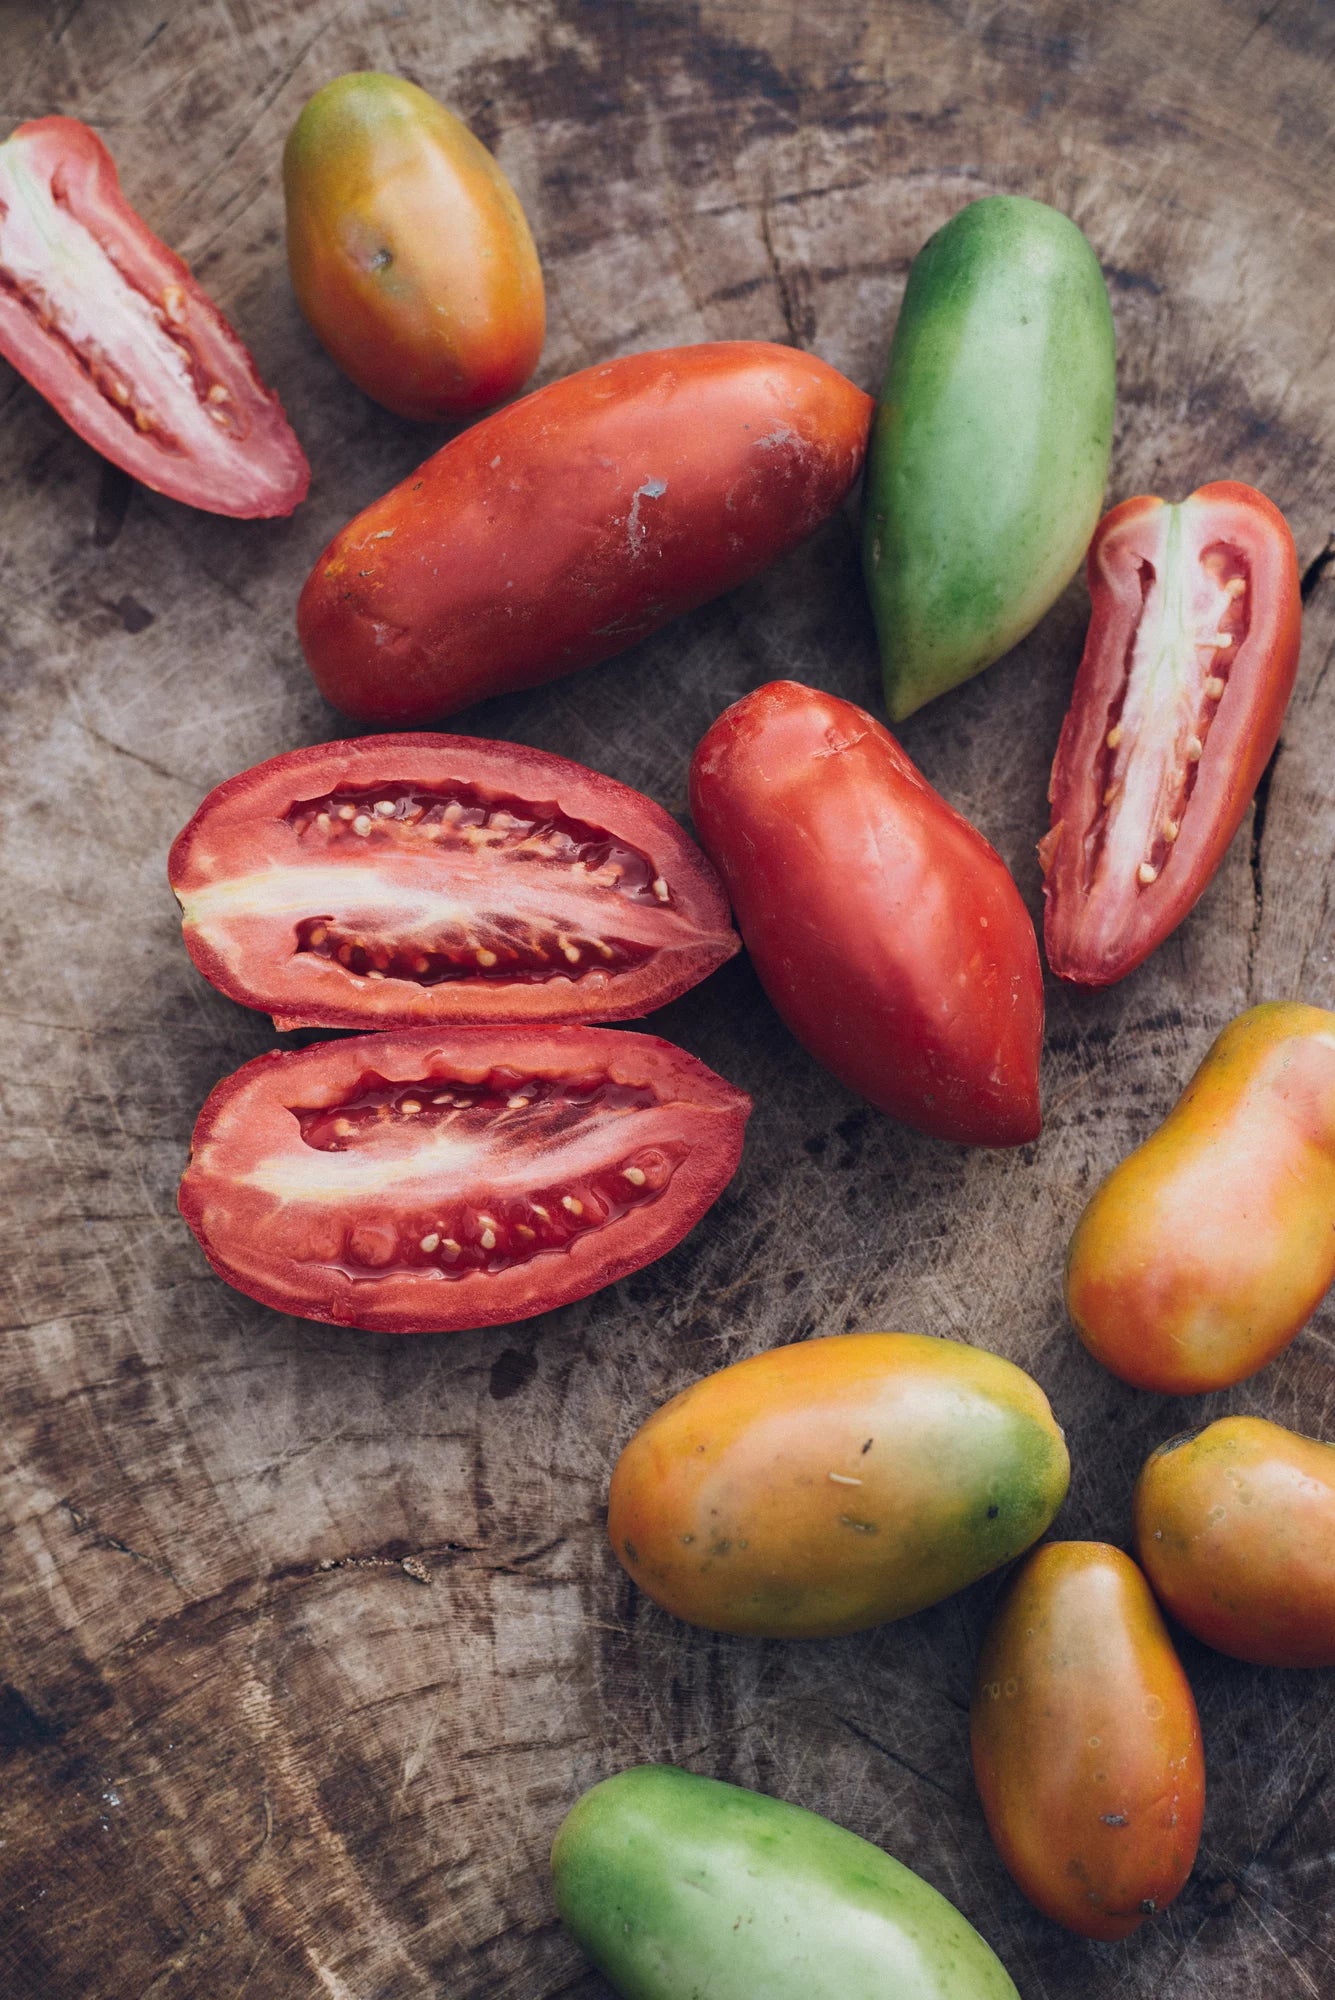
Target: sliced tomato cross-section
[
  {"x": 427, "y": 1182},
  {"x": 116, "y": 333},
  {"x": 400, "y": 879},
  {"x": 1188, "y": 667}
]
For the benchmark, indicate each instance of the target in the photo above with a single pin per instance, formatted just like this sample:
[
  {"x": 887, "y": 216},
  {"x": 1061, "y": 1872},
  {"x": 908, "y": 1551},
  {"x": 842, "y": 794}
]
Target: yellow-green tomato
[
  {"x": 409, "y": 251},
  {"x": 1204, "y": 1252},
  {"x": 1235, "y": 1528},
  {"x": 837, "y": 1484},
  {"x": 679, "y": 1888}
]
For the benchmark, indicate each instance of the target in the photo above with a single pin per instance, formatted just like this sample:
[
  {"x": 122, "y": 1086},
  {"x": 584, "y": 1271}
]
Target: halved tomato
[
  {"x": 425, "y": 1182},
  {"x": 1188, "y": 667},
  {"x": 394, "y": 880},
  {"x": 111, "y": 327}
]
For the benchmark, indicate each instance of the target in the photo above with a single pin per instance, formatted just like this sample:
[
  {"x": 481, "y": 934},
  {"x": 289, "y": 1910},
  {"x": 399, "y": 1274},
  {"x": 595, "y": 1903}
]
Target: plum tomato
[
  {"x": 990, "y": 451},
  {"x": 560, "y": 530},
  {"x": 1209, "y": 1247},
  {"x": 425, "y": 1182},
  {"x": 409, "y": 251},
  {"x": 679, "y": 1887},
  {"x": 110, "y": 326},
  {"x": 396, "y": 880},
  {"x": 834, "y": 1485},
  {"x": 1235, "y": 1528},
  {"x": 1187, "y": 670},
  {"x": 885, "y": 930},
  {"x": 1086, "y": 1744}
]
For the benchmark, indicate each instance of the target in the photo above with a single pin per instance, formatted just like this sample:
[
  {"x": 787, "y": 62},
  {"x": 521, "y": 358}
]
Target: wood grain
[{"x": 310, "y": 1637}]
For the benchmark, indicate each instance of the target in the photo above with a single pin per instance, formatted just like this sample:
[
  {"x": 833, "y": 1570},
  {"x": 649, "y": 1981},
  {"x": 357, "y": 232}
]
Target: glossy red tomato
[
  {"x": 886, "y": 931},
  {"x": 424, "y": 1182},
  {"x": 1187, "y": 670},
  {"x": 410, "y": 254},
  {"x": 113, "y": 330},
  {"x": 397, "y": 880},
  {"x": 566, "y": 527}
]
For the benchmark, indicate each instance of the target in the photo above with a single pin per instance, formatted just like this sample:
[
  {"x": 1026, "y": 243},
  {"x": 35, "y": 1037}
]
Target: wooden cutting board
[{"x": 310, "y": 1637}]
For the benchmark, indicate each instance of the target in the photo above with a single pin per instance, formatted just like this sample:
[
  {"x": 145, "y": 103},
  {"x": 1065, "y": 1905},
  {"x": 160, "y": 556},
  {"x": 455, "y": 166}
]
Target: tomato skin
[
  {"x": 1235, "y": 1528},
  {"x": 838, "y": 1484},
  {"x": 1185, "y": 769},
  {"x": 560, "y": 530},
  {"x": 347, "y": 1225},
  {"x": 1205, "y": 1252},
  {"x": 409, "y": 251},
  {"x": 990, "y": 451},
  {"x": 676, "y": 1885},
  {"x": 1086, "y": 1744},
  {"x": 888, "y": 934},
  {"x": 252, "y": 881},
  {"x": 111, "y": 327}
]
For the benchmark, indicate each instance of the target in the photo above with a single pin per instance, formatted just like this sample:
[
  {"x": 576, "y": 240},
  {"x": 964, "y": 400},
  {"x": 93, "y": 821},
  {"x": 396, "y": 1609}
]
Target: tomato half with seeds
[
  {"x": 1187, "y": 670},
  {"x": 887, "y": 933},
  {"x": 395, "y": 880},
  {"x": 426, "y": 1182},
  {"x": 562, "y": 529},
  {"x": 410, "y": 254},
  {"x": 114, "y": 331},
  {"x": 1086, "y": 1743}
]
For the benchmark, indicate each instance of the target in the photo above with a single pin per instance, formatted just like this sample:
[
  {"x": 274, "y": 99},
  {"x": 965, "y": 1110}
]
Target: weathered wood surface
[{"x": 250, "y": 1749}]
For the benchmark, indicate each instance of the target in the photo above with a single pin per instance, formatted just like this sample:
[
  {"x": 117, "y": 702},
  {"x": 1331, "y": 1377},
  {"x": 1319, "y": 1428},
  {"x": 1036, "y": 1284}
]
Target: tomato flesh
[
  {"x": 419, "y": 1182},
  {"x": 1190, "y": 661},
  {"x": 115, "y": 332},
  {"x": 426, "y": 877}
]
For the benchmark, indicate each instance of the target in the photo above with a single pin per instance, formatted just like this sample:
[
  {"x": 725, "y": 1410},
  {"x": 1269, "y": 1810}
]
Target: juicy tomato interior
[
  {"x": 418, "y": 1181},
  {"x": 418, "y": 877},
  {"x": 1190, "y": 660},
  {"x": 110, "y": 325},
  {"x": 515, "y": 1119}
]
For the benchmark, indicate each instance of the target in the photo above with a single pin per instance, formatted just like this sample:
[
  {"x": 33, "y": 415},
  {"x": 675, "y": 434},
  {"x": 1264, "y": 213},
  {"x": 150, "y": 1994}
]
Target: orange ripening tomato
[
  {"x": 1206, "y": 1250},
  {"x": 409, "y": 251},
  {"x": 1086, "y": 1745},
  {"x": 1191, "y": 657},
  {"x": 560, "y": 530},
  {"x": 836, "y": 1484},
  {"x": 1235, "y": 1528}
]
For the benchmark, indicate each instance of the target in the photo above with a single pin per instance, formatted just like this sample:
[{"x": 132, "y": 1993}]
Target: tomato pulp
[
  {"x": 564, "y": 528},
  {"x": 1187, "y": 670},
  {"x": 396, "y": 880},
  {"x": 426, "y": 1182},
  {"x": 118, "y": 336},
  {"x": 886, "y": 931},
  {"x": 410, "y": 254}
]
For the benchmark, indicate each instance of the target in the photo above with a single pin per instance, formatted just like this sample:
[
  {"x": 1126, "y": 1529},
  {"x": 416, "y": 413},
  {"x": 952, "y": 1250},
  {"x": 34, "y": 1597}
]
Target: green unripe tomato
[
  {"x": 677, "y": 1886},
  {"x": 990, "y": 450}
]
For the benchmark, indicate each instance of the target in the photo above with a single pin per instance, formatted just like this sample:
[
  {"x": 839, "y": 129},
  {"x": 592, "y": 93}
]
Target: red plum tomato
[
  {"x": 888, "y": 934},
  {"x": 560, "y": 530}
]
